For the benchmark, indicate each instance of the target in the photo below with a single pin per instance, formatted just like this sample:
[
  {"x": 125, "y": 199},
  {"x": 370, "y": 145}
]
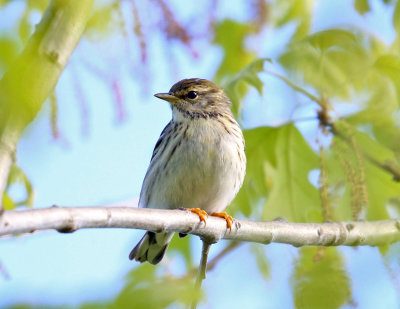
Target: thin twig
[
  {"x": 295, "y": 87},
  {"x": 202, "y": 270}
]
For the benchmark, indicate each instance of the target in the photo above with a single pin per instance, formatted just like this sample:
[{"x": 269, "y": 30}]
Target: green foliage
[
  {"x": 39, "y": 5},
  {"x": 236, "y": 87},
  {"x": 259, "y": 152},
  {"x": 183, "y": 247},
  {"x": 378, "y": 186},
  {"x": 8, "y": 51},
  {"x": 261, "y": 260},
  {"x": 333, "y": 62},
  {"x": 292, "y": 196},
  {"x": 25, "y": 28},
  {"x": 362, "y": 6},
  {"x": 396, "y": 18},
  {"x": 17, "y": 176},
  {"x": 143, "y": 283},
  {"x": 320, "y": 280},
  {"x": 279, "y": 162},
  {"x": 296, "y": 11},
  {"x": 102, "y": 21},
  {"x": 231, "y": 35},
  {"x": 389, "y": 66}
]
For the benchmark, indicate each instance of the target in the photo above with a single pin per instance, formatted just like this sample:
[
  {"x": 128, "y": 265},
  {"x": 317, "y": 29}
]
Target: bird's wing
[
  {"x": 160, "y": 139},
  {"x": 158, "y": 147}
]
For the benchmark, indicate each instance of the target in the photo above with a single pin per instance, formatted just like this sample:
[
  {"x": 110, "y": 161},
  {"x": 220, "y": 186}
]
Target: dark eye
[{"x": 192, "y": 95}]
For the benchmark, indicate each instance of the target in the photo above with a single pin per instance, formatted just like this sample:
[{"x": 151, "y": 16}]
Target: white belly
[{"x": 204, "y": 171}]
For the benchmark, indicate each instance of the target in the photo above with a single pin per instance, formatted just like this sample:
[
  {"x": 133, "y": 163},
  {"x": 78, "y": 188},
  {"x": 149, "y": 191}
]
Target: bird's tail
[{"x": 151, "y": 247}]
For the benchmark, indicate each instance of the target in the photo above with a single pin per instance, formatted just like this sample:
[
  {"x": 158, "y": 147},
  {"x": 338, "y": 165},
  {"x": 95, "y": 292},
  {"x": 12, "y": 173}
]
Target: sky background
[{"x": 102, "y": 161}]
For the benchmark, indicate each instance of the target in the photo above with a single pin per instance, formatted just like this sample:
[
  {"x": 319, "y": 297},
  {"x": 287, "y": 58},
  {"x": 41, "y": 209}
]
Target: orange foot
[
  {"x": 201, "y": 213},
  {"x": 224, "y": 215}
]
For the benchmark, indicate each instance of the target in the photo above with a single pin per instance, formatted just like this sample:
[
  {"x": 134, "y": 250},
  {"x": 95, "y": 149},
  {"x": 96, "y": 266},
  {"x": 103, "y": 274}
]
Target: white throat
[{"x": 178, "y": 116}]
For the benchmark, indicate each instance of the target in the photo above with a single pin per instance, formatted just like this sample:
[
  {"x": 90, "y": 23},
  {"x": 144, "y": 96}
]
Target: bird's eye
[{"x": 192, "y": 95}]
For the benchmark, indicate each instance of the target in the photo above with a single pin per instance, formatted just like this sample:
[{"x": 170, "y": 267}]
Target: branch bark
[
  {"x": 34, "y": 74},
  {"x": 70, "y": 219}
]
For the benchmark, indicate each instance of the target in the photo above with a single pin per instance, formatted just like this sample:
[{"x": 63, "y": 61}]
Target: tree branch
[{"x": 70, "y": 219}]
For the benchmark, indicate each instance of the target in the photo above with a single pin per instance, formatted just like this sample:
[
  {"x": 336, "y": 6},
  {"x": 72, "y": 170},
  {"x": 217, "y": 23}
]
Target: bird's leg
[
  {"x": 201, "y": 213},
  {"x": 224, "y": 215}
]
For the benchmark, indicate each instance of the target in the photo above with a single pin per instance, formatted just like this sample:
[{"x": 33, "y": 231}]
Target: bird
[{"x": 198, "y": 162}]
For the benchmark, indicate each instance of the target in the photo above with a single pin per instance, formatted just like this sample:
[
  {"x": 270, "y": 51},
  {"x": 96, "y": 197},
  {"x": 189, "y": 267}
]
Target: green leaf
[
  {"x": 249, "y": 75},
  {"x": 381, "y": 188},
  {"x": 8, "y": 51},
  {"x": 25, "y": 29},
  {"x": 389, "y": 65},
  {"x": 292, "y": 196},
  {"x": 379, "y": 184},
  {"x": 183, "y": 247},
  {"x": 279, "y": 161},
  {"x": 15, "y": 176},
  {"x": 145, "y": 289},
  {"x": 260, "y": 145},
  {"x": 380, "y": 118},
  {"x": 333, "y": 62},
  {"x": 261, "y": 260},
  {"x": 362, "y": 6},
  {"x": 321, "y": 283},
  {"x": 396, "y": 18},
  {"x": 231, "y": 35},
  {"x": 40, "y": 5},
  {"x": 101, "y": 21},
  {"x": 298, "y": 11},
  {"x": 4, "y": 2},
  {"x": 326, "y": 39},
  {"x": 8, "y": 203}
]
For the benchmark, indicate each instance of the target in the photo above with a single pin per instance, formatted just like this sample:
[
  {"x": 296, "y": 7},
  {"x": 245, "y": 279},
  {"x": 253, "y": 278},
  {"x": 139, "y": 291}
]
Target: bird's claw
[
  {"x": 224, "y": 215},
  {"x": 201, "y": 213}
]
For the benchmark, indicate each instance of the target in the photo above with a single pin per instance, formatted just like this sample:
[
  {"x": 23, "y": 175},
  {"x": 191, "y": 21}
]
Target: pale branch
[{"x": 70, "y": 219}]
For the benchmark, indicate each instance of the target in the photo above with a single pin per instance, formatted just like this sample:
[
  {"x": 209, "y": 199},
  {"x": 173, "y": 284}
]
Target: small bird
[{"x": 198, "y": 162}]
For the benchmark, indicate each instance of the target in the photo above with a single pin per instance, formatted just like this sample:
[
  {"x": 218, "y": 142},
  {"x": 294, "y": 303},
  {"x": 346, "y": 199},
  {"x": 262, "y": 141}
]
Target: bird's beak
[{"x": 166, "y": 96}]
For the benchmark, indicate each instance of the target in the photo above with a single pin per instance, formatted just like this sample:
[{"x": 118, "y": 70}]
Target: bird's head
[{"x": 197, "y": 98}]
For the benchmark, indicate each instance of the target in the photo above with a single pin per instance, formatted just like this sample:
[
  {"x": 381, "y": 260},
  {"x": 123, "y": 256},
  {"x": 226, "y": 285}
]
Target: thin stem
[
  {"x": 202, "y": 270},
  {"x": 297, "y": 88}
]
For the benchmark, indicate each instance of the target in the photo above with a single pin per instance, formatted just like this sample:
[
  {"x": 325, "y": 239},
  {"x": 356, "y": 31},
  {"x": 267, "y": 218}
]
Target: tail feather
[{"x": 151, "y": 247}]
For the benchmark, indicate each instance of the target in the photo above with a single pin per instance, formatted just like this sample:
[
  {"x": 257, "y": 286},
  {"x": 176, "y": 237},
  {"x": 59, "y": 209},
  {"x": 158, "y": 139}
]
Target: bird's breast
[{"x": 205, "y": 170}]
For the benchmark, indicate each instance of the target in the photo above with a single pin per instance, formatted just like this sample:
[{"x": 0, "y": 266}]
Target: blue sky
[{"x": 107, "y": 165}]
